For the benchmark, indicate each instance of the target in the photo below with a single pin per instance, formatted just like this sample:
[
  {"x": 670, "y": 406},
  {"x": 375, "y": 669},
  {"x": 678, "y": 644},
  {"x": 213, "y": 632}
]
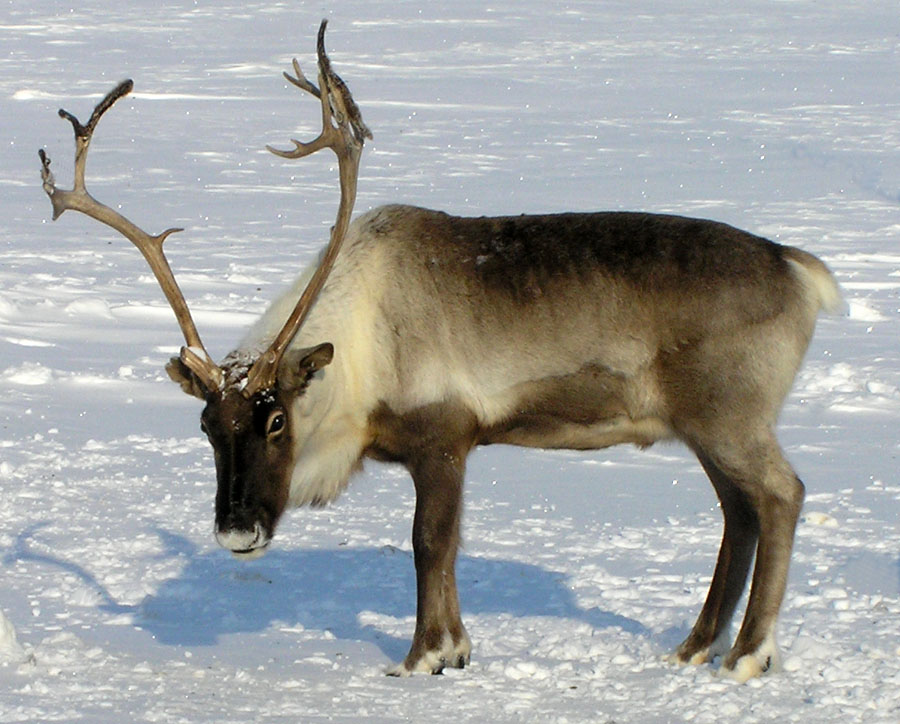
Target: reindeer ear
[
  {"x": 189, "y": 382},
  {"x": 298, "y": 365}
]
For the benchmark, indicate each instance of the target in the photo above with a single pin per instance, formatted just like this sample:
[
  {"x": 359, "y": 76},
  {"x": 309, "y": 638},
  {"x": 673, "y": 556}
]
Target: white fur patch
[
  {"x": 719, "y": 647},
  {"x": 764, "y": 659},
  {"x": 244, "y": 544},
  {"x": 825, "y": 290},
  {"x": 434, "y": 661}
]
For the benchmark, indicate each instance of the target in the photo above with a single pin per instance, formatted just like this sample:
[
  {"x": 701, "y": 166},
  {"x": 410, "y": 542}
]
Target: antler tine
[
  {"x": 194, "y": 354},
  {"x": 344, "y": 108},
  {"x": 344, "y": 132},
  {"x": 300, "y": 80},
  {"x": 339, "y": 110}
]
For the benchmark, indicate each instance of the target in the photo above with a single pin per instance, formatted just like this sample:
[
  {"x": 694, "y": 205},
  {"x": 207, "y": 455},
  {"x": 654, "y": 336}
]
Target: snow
[{"x": 580, "y": 572}]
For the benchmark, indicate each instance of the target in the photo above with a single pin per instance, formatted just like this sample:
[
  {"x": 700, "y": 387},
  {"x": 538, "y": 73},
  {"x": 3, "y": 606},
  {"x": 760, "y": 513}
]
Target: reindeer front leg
[{"x": 440, "y": 640}]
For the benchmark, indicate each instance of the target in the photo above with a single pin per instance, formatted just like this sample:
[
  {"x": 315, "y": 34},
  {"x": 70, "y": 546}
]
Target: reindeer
[{"x": 420, "y": 335}]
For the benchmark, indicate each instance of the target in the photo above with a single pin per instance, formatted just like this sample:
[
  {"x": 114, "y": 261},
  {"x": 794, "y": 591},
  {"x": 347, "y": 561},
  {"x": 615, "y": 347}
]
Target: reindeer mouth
[{"x": 249, "y": 554}]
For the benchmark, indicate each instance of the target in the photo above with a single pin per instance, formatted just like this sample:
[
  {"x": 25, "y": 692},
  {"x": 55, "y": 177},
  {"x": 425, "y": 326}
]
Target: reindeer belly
[{"x": 591, "y": 409}]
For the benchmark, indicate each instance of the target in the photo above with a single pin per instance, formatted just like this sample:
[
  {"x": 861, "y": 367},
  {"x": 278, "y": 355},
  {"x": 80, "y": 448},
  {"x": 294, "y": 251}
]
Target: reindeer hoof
[
  {"x": 398, "y": 670},
  {"x": 679, "y": 658},
  {"x": 454, "y": 656},
  {"x": 749, "y": 666},
  {"x": 404, "y": 670},
  {"x": 425, "y": 666},
  {"x": 695, "y": 654}
]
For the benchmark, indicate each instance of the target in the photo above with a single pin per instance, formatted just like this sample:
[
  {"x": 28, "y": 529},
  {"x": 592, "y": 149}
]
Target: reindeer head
[
  {"x": 252, "y": 436},
  {"x": 249, "y": 405}
]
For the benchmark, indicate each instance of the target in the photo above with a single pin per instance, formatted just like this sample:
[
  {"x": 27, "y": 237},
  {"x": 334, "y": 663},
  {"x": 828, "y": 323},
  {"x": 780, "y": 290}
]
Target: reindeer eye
[{"x": 276, "y": 423}]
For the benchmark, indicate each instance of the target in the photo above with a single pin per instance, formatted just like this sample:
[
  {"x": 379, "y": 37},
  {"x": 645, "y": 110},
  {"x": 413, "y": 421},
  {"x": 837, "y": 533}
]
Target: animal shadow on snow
[
  {"x": 216, "y": 595},
  {"x": 328, "y": 590}
]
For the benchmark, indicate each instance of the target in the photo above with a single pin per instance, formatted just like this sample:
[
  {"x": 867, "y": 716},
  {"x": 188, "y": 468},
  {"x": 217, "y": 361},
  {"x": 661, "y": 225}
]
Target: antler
[
  {"x": 194, "y": 354},
  {"x": 344, "y": 132}
]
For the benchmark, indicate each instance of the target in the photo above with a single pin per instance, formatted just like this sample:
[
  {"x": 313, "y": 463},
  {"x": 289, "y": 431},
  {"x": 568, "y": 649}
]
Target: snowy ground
[{"x": 579, "y": 571}]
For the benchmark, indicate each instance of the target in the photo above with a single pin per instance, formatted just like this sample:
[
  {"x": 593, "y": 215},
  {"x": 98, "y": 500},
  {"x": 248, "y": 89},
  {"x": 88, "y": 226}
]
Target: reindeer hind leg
[
  {"x": 763, "y": 495},
  {"x": 710, "y": 635},
  {"x": 779, "y": 500}
]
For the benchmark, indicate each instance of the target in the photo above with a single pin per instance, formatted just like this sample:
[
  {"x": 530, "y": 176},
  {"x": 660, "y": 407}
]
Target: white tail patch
[{"x": 819, "y": 279}]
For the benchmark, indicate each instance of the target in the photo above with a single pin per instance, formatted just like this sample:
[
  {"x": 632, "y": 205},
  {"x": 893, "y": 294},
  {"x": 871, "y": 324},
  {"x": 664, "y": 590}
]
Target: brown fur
[{"x": 631, "y": 328}]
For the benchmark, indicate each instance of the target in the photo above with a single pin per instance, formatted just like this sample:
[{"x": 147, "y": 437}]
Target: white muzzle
[{"x": 244, "y": 544}]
